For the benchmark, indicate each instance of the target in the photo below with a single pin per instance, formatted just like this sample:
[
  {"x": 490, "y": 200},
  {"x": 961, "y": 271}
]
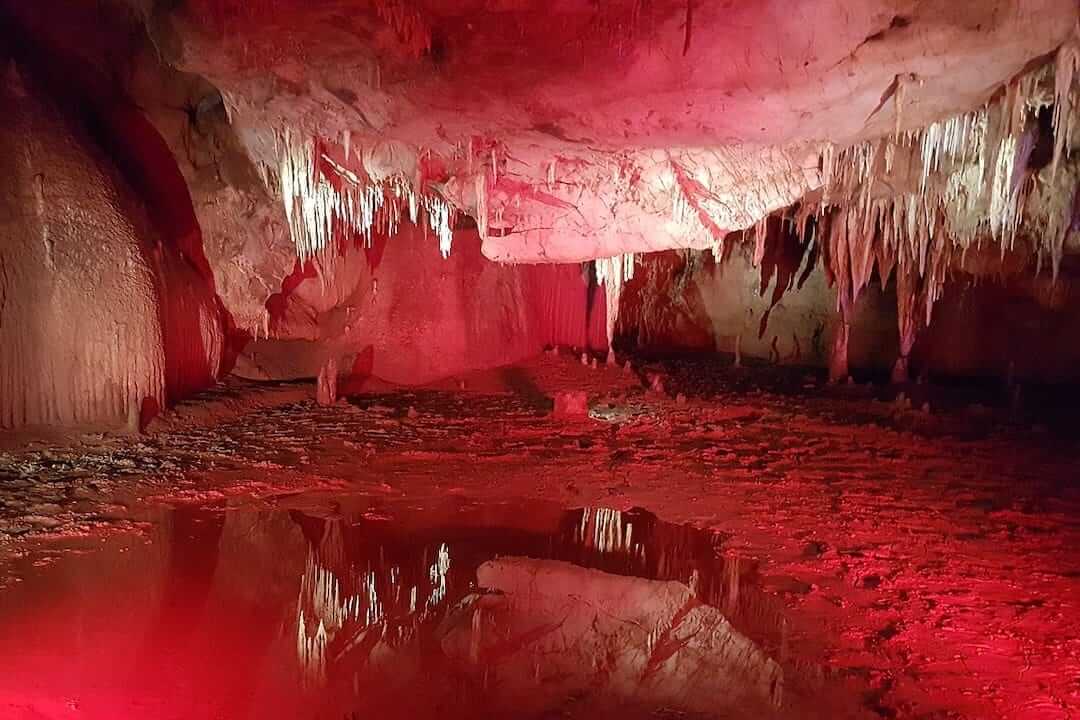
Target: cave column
[
  {"x": 906, "y": 321},
  {"x": 838, "y": 358}
]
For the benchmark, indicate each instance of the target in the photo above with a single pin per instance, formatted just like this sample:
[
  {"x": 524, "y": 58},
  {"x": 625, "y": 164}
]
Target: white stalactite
[
  {"x": 316, "y": 209},
  {"x": 1068, "y": 61},
  {"x": 966, "y": 188},
  {"x": 613, "y": 273}
]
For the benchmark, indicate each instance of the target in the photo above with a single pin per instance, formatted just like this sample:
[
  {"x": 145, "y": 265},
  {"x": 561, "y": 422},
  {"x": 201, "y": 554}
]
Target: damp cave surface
[
  {"x": 805, "y": 551},
  {"x": 328, "y": 606}
]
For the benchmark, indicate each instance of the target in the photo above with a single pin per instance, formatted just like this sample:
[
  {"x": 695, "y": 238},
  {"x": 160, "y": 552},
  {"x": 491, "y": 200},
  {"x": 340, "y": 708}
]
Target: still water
[{"x": 351, "y": 608}]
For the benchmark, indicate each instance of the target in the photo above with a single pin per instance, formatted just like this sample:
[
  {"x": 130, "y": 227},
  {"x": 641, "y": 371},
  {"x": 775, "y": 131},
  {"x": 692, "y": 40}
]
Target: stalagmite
[
  {"x": 326, "y": 385},
  {"x": 838, "y": 357}
]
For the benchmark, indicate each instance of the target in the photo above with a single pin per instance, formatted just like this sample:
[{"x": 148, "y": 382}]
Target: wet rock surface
[
  {"x": 934, "y": 566},
  {"x": 352, "y": 606}
]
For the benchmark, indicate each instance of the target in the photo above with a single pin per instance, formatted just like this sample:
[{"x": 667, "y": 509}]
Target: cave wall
[
  {"x": 194, "y": 322},
  {"x": 80, "y": 330},
  {"x": 1004, "y": 325},
  {"x": 1019, "y": 328},
  {"x": 690, "y": 302},
  {"x": 243, "y": 229},
  {"x": 124, "y": 193},
  {"x": 102, "y": 321},
  {"x": 400, "y": 312}
]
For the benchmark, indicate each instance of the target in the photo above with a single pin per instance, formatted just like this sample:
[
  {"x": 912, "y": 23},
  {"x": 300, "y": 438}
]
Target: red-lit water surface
[{"x": 315, "y": 611}]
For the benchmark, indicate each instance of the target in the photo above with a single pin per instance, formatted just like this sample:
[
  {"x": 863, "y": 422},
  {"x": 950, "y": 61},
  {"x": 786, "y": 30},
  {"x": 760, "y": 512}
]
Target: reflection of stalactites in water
[
  {"x": 328, "y": 610},
  {"x": 731, "y": 569},
  {"x": 311, "y": 651},
  {"x": 476, "y": 635},
  {"x": 369, "y": 593},
  {"x": 602, "y": 529},
  {"x": 439, "y": 568},
  {"x": 349, "y": 609},
  {"x": 320, "y": 592}
]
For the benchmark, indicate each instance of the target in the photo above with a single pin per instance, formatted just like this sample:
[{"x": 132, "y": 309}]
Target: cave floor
[{"x": 926, "y": 563}]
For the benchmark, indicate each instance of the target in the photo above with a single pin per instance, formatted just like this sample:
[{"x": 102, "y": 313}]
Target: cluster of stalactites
[
  {"x": 316, "y": 207},
  {"x": 904, "y": 233},
  {"x": 971, "y": 185},
  {"x": 329, "y": 609},
  {"x": 613, "y": 273},
  {"x": 608, "y": 532},
  {"x": 325, "y": 609}
]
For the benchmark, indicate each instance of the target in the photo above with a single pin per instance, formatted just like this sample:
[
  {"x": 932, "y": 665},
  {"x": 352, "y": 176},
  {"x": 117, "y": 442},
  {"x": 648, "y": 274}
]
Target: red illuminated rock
[
  {"x": 101, "y": 321},
  {"x": 352, "y": 183},
  {"x": 572, "y": 404}
]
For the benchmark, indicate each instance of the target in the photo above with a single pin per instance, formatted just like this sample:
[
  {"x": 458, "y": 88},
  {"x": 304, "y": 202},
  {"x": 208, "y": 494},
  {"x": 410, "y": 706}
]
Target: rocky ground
[{"x": 927, "y": 552}]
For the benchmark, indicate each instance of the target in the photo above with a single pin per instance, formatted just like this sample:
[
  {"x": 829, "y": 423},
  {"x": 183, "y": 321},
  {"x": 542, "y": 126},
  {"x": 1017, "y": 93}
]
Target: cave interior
[{"x": 539, "y": 359}]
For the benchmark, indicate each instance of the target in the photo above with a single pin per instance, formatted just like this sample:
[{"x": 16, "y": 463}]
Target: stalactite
[
  {"x": 761, "y": 233},
  {"x": 612, "y": 273},
  {"x": 970, "y": 185},
  {"x": 907, "y": 320},
  {"x": 316, "y": 208},
  {"x": 828, "y": 169},
  {"x": 439, "y": 215},
  {"x": 1066, "y": 65}
]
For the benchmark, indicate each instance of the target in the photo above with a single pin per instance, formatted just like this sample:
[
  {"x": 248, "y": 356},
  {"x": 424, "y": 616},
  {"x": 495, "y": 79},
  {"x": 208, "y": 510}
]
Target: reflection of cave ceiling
[{"x": 573, "y": 129}]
